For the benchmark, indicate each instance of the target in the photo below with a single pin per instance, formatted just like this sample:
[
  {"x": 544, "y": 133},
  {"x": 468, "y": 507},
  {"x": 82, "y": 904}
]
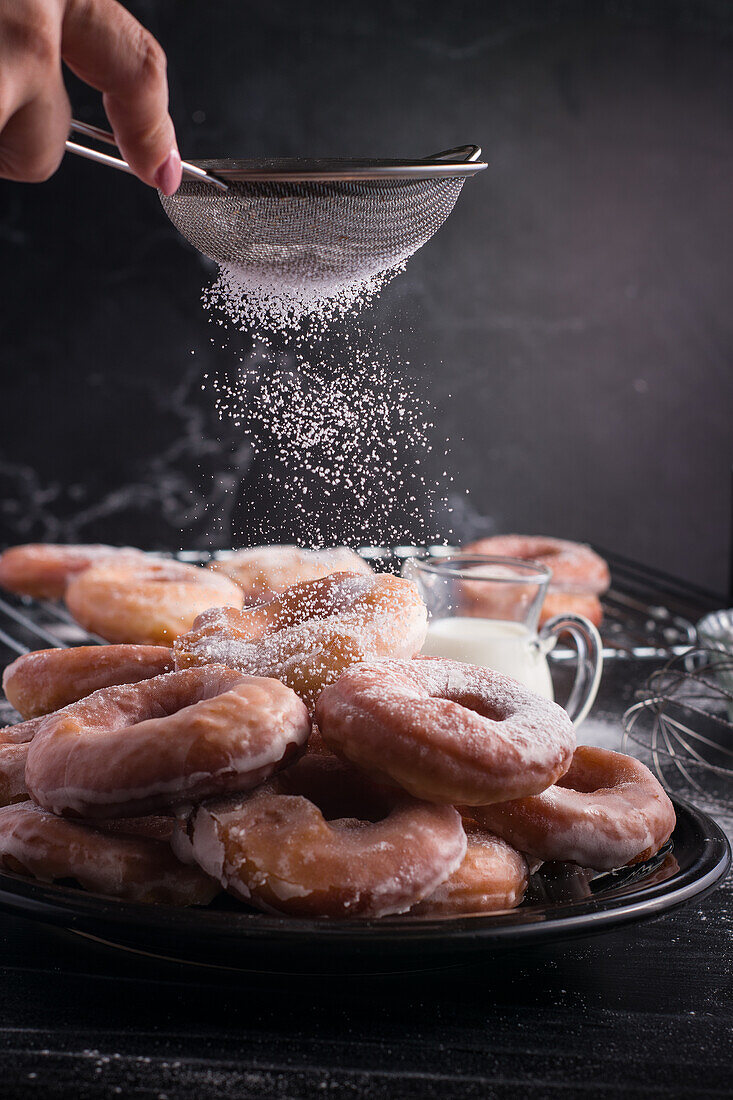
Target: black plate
[{"x": 563, "y": 901}]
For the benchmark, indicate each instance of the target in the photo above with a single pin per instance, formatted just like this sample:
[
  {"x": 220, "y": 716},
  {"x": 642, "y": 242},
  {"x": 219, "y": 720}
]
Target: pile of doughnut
[{"x": 267, "y": 728}]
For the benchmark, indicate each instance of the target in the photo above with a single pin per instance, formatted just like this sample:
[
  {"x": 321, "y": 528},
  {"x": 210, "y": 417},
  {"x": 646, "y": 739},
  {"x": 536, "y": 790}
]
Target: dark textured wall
[{"x": 576, "y": 306}]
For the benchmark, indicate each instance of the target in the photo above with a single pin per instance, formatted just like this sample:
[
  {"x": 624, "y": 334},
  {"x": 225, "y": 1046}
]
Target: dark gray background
[{"x": 576, "y": 306}]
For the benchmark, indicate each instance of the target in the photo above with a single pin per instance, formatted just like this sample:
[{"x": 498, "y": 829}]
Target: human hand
[{"x": 105, "y": 47}]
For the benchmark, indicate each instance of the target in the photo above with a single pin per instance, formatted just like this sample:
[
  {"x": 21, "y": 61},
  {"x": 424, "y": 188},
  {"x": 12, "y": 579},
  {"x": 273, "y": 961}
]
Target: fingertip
[
  {"x": 169, "y": 174},
  {"x": 147, "y": 142}
]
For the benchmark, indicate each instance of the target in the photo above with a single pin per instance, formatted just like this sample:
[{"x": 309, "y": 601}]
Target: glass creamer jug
[{"x": 485, "y": 611}]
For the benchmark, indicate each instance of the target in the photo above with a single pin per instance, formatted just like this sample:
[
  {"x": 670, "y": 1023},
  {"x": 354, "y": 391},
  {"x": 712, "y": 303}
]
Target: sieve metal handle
[
  {"x": 84, "y": 128},
  {"x": 466, "y": 153}
]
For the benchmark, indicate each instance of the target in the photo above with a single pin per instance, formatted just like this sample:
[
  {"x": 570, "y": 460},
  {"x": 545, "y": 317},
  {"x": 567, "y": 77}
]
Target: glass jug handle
[{"x": 588, "y": 671}]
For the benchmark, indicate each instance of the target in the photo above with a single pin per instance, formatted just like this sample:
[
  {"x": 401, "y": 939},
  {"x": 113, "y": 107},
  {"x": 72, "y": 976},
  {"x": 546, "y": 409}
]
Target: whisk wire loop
[{"x": 683, "y": 719}]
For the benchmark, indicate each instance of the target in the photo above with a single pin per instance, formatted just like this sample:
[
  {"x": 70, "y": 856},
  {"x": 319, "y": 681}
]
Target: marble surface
[{"x": 570, "y": 322}]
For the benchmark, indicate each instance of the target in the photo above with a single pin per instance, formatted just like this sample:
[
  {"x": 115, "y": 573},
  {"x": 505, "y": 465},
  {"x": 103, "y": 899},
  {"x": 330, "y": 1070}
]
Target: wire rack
[
  {"x": 27, "y": 624},
  {"x": 646, "y": 613}
]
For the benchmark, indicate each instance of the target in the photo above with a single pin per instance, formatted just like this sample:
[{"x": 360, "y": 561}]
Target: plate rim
[{"x": 77, "y": 910}]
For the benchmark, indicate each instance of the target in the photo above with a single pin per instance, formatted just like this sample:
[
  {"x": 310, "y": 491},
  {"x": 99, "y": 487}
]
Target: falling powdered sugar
[
  {"x": 249, "y": 302},
  {"x": 342, "y": 439}
]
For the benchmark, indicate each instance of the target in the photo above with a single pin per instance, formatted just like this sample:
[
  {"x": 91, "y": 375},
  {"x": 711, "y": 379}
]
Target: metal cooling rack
[
  {"x": 27, "y": 624},
  {"x": 646, "y": 612}
]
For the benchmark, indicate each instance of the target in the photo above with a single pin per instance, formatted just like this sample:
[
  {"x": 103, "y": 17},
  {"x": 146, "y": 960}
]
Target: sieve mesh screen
[{"x": 318, "y": 233}]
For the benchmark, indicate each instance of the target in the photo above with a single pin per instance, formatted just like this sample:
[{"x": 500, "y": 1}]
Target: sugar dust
[{"x": 342, "y": 434}]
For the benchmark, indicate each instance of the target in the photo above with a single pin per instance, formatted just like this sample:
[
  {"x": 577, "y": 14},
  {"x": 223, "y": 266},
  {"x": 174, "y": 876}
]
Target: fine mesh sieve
[
  {"x": 294, "y": 222},
  {"x": 318, "y": 223}
]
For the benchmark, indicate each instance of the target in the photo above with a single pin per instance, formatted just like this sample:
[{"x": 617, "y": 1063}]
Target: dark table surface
[{"x": 645, "y": 1011}]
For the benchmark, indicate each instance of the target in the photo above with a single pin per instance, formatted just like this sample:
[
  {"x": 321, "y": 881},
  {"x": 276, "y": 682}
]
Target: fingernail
[{"x": 168, "y": 176}]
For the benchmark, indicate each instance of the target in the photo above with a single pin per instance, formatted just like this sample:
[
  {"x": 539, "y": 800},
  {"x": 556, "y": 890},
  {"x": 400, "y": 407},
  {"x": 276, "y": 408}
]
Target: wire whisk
[{"x": 683, "y": 720}]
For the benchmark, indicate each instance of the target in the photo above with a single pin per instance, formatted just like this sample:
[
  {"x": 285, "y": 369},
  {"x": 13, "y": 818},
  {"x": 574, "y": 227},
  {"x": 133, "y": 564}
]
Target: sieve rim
[{"x": 336, "y": 169}]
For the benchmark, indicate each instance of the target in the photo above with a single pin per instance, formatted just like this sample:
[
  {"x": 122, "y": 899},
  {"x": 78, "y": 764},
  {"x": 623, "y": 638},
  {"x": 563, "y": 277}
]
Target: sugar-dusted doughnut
[
  {"x": 491, "y": 876},
  {"x": 136, "y": 749},
  {"x": 146, "y": 601},
  {"x": 311, "y": 632},
  {"x": 36, "y": 843},
  {"x": 44, "y": 570},
  {"x": 321, "y": 840},
  {"x": 445, "y": 731},
  {"x": 264, "y": 571},
  {"x": 48, "y": 679},
  {"x": 606, "y": 811},
  {"x": 579, "y": 574}
]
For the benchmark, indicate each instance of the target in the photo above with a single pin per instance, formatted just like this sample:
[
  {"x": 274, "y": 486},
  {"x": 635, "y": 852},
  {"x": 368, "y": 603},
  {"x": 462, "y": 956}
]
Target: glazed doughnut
[
  {"x": 39, "y": 680},
  {"x": 573, "y": 564},
  {"x": 36, "y": 843},
  {"x": 321, "y": 840},
  {"x": 579, "y": 574},
  {"x": 491, "y": 876},
  {"x": 44, "y": 570},
  {"x": 264, "y": 571},
  {"x": 309, "y": 634},
  {"x": 147, "y": 602},
  {"x": 49, "y": 679},
  {"x": 445, "y": 731},
  {"x": 139, "y": 748},
  {"x": 608, "y": 810}
]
